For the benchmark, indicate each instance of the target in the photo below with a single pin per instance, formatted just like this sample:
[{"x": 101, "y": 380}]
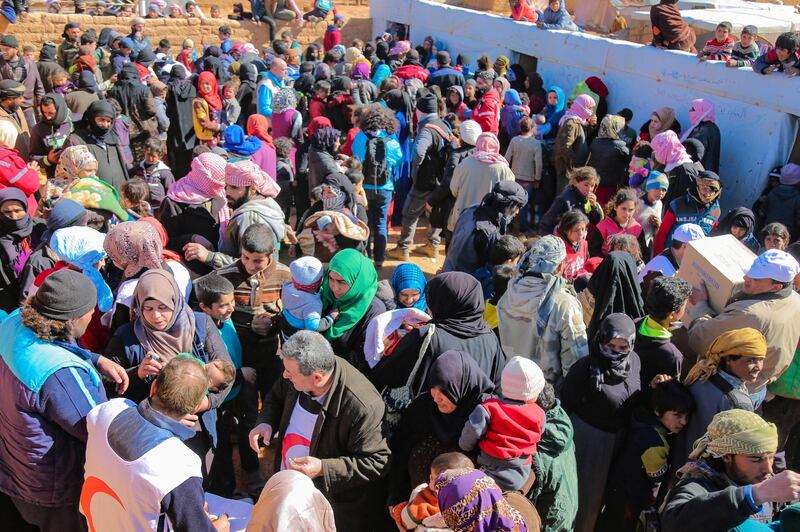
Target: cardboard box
[{"x": 720, "y": 262}]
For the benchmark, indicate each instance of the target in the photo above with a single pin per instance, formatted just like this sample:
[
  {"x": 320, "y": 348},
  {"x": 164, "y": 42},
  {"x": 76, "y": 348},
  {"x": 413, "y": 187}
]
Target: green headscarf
[{"x": 357, "y": 271}]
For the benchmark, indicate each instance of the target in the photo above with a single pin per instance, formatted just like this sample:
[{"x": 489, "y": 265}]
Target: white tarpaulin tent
[{"x": 757, "y": 114}]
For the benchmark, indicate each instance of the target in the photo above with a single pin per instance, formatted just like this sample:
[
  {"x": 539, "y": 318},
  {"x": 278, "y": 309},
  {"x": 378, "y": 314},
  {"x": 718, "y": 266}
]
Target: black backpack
[{"x": 376, "y": 166}]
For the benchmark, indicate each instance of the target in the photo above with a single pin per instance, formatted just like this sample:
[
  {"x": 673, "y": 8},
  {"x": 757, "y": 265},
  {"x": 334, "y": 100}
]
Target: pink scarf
[
  {"x": 669, "y": 151},
  {"x": 581, "y": 109},
  {"x": 487, "y": 149},
  {"x": 205, "y": 180},
  {"x": 703, "y": 110}
]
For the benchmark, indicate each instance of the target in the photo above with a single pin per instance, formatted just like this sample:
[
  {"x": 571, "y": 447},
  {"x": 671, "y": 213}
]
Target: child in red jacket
[
  {"x": 507, "y": 429},
  {"x": 521, "y": 10},
  {"x": 333, "y": 33}
]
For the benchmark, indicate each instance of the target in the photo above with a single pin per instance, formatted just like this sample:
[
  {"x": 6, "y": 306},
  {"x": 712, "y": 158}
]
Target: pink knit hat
[{"x": 245, "y": 173}]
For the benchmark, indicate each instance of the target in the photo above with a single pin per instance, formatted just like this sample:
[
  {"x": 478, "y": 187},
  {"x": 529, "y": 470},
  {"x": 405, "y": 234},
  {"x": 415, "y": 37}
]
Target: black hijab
[
  {"x": 211, "y": 63},
  {"x": 382, "y": 50},
  {"x": 739, "y": 217},
  {"x": 401, "y": 102},
  {"x": 519, "y": 78},
  {"x": 607, "y": 366},
  {"x": 324, "y": 139},
  {"x": 128, "y": 89},
  {"x": 62, "y": 111},
  {"x": 95, "y": 109},
  {"x": 180, "y": 135},
  {"x": 305, "y": 83},
  {"x": 455, "y": 300},
  {"x": 615, "y": 285},
  {"x": 495, "y": 206},
  {"x": 13, "y": 231},
  {"x": 462, "y": 381}
]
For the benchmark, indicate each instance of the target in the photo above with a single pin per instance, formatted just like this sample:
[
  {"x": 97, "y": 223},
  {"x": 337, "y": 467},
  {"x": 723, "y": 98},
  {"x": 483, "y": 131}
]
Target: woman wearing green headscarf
[{"x": 349, "y": 288}]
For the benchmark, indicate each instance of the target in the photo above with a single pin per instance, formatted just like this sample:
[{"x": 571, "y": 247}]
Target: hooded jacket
[
  {"x": 487, "y": 112},
  {"x": 137, "y": 104},
  {"x": 256, "y": 211},
  {"x": 446, "y": 77},
  {"x": 783, "y": 205}
]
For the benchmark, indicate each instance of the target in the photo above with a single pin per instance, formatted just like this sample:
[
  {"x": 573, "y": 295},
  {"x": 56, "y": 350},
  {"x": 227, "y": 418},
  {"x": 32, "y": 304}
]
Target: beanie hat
[
  {"x": 469, "y": 130},
  {"x": 127, "y": 42},
  {"x": 790, "y": 174},
  {"x": 522, "y": 380},
  {"x": 656, "y": 179},
  {"x": 65, "y": 295},
  {"x": 428, "y": 104},
  {"x": 750, "y": 30},
  {"x": 776, "y": 265},
  {"x": 306, "y": 271},
  {"x": 65, "y": 213}
]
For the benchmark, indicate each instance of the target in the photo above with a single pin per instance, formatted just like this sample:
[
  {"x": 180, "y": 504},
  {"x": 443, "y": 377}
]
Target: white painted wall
[{"x": 757, "y": 114}]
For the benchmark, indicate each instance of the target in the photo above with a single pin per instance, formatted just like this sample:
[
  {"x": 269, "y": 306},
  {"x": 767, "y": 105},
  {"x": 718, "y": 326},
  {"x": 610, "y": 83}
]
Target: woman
[
  {"x": 286, "y": 119},
  {"x": 741, "y": 223},
  {"x": 615, "y": 286},
  {"x": 402, "y": 106},
  {"x": 455, "y": 301},
  {"x": 470, "y": 501},
  {"x": 475, "y": 177},
  {"x": 676, "y": 162},
  {"x": 85, "y": 94},
  {"x": 600, "y": 393},
  {"x": 322, "y": 155},
  {"x": 432, "y": 423},
  {"x": 702, "y": 116},
  {"x": 534, "y": 87},
  {"x": 408, "y": 284},
  {"x": 265, "y": 158},
  {"x": 670, "y": 31},
  {"x": 138, "y": 105},
  {"x": 547, "y": 122},
  {"x": 181, "y": 138},
  {"x": 571, "y": 147},
  {"x": 661, "y": 120},
  {"x": 163, "y": 327},
  {"x": 290, "y": 501},
  {"x": 238, "y": 145},
  {"x": 20, "y": 233},
  {"x": 49, "y": 134},
  {"x": 206, "y": 108},
  {"x": 510, "y": 115},
  {"x": 134, "y": 248},
  {"x": 610, "y": 157},
  {"x": 349, "y": 287},
  {"x": 14, "y": 171},
  {"x": 247, "y": 93}
]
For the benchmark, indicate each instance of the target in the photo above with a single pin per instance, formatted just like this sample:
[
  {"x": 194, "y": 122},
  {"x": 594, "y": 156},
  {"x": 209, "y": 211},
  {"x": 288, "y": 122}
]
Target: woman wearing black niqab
[
  {"x": 181, "y": 139},
  {"x": 615, "y": 286}
]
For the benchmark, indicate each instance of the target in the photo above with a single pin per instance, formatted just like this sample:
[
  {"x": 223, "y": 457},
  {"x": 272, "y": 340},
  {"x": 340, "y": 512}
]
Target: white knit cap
[
  {"x": 776, "y": 265},
  {"x": 470, "y": 130},
  {"x": 306, "y": 270},
  {"x": 522, "y": 380}
]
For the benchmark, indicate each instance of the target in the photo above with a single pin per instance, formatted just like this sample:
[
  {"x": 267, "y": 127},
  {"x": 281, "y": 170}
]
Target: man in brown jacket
[{"x": 328, "y": 419}]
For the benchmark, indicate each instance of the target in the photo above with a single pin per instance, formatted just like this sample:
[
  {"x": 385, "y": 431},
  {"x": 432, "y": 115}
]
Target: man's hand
[
  {"x": 195, "y": 251},
  {"x": 221, "y": 523},
  {"x": 658, "y": 379},
  {"x": 149, "y": 367},
  {"x": 263, "y": 431},
  {"x": 783, "y": 487},
  {"x": 699, "y": 294},
  {"x": 308, "y": 465},
  {"x": 115, "y": 372}
]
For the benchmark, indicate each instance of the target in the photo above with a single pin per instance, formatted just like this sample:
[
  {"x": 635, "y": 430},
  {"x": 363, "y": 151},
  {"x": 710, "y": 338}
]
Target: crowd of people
[{"x": 196, "y": 294}]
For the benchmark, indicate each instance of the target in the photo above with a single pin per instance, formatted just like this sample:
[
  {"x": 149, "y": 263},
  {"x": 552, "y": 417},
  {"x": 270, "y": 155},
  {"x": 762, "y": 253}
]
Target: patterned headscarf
[
  {"x": 487, "y": 149},
  {"x": 541, "y": 260},
  {"x": 736, "y": 431},
  {"x": 470, "y": 501},
  {"x": 745, "y": 342},
  {"x": 285, "y": 99},
  {"x": 408, "y": 275},
  {"x": 501, "y": 65},
  {"x": 73, "y": 159},
  {"x": 94, "y": 193},
  {"x": 133, "y": 246},
  {"x": 245, "y": 173},
  {"x": 205, "y": 181},
  {"x": 610, "y": 127}
]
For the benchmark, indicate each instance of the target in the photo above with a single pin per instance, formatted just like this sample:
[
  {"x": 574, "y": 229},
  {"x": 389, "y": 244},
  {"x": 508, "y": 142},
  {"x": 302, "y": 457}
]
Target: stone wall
[{"x": 42, "y": 27}]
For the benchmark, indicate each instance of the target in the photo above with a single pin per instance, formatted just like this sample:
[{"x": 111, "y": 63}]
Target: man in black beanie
[
  {"x": 430, "y": 155},
  {"x": 47, "y": 386}
]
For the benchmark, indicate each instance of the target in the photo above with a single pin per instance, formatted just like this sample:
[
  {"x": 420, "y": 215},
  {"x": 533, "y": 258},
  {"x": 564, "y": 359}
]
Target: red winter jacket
[
  {"x": 413, "y": 71},
  {"x": 333, "y": 36},
  {"x": 316, "y": 107},
  {"x": 487, "y": 112},
  {"x": 514, "y": 429}
]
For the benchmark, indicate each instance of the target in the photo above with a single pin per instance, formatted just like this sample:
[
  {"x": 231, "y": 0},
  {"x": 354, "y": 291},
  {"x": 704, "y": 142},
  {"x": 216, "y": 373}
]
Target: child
[
  {"x": 620, "y": 219},
  {"x": 501, "y": 276},
  {"x": 318, "y": 104},
  {"x": 507, "y": 429},
  {"x": 506, "y": 250},
  {"x": 521, "y": 10},
  {"x": 640, "y": 165},
  {"x": 573, "y": 230},
  {"x": 782, "y": 203},
  {"x": 421, "y": 512},
  {"x": 746, "y": 51},
  {"x": 187, "y": 55},
  {"x": 215, "y": 296},
  {"x": 628, "y": 134},
  {"x": 578, "y": 195},
  {"x": 741, "y": 223},
  {"x": 775, "y": 236},
  {"x": 649, "y": 207},
  {"x": 469, "y": 94},
  {"x": 154, "y": 172},
  {"x": 207, "y": 109},
  {"x": 320, "y": 11},
  {"x": 784, "y": 57},
  {"x": 230, "y": 105},
  {"x": 29, "y": 52},
  {"x": 220, "y": 374},
  {"x": 61, "y": 83},
  {"x": 214, "y": 11},
  {"x": 159, "y": 92},
  {"x": 353, "y": 171},
  {"x": 333, "y": 33},
  {"x": 134, "y": 198},
  {"x": 642, "y": 465},
  {"x": 356, "y": 114},
  {"x": 524, "y": 156},
  {"x": 302, "y": 304},
  {"x": 720, "y": 47}
]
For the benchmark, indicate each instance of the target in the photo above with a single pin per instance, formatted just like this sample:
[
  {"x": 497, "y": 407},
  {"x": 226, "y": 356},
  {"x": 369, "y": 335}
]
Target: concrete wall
[{"x": 757, "y": 114}]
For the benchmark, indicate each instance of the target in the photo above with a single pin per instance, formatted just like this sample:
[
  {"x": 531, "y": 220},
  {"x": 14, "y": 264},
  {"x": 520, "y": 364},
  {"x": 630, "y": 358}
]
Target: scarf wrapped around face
[
  {"x": 746, "y": 342},
  {"x": 487, "y": 149},
  {"x": 736, "y": 431},
  {"x": 159, "y": 285},
  {"x": 668, "y": 150},
  {"x": 581, "y": 109},
  {"x": 470, "y": 501},
  {"x": 358, "y": 272},
  {"x": 607, "y": 366},
  {"x": 15, "y": 234},
  {"x": 542, "y": 260},
  {"x": 133, "y": 246}
]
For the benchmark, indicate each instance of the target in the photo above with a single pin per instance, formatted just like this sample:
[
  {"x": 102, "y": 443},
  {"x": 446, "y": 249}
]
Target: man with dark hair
[
  {"x": 68, "y": 50},
  {"x": 326, "y": 418},
  {"x": 445, "y": 76},
  {"x": 784, "y": 57},
  {"x": 135, "y": 454},
  {"x": 666, "y": 303},
  {"x": 47, "y": 386},
  {"x": 12, "y": 97},
  {"x": 23, "y": 70},
  {"x": 487, "y": 111}
]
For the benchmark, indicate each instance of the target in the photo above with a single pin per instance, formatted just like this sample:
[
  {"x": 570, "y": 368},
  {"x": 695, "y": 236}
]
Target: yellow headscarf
[
  {"x": 736, "y": 432},
  {"x": 501, "y": 65},
  {"x": 745, "y": 342}
]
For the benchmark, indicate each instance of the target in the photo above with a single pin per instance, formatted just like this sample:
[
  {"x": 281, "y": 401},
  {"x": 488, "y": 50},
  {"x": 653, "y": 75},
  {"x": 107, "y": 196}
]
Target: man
[
  {"x": 12, "y": 96},
  {"x": 137, "y": 467},
  {"x": 767, "y": 303},
  {"x": 23, "y": 70},
  {"x": 48, "y": 65},
  {"x": 430, "y": 155},
  {"x": 729, "y": 477},
  {"x": 445, "y": 76},
  {"x": 270, "y": 85},
  {"x": 137, "y": 36},
  {"x": 70, "y": 48},
  {"x": 249, "y": 192},
  {"x": 668, "y": 261},
  {"x": 540, "y": 316},
  {"x": 47, "y": 386},
  {"x": 487, "y": 110},
  {"x": 327, "y": 417}
]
